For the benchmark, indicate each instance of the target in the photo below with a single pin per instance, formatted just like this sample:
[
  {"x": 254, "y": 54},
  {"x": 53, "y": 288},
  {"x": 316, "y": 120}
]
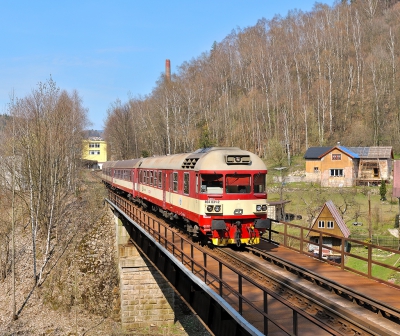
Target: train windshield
[
  {"x": 211, "y": 183},
  {"x": 237, "y": 183},
  {"x": 259, "y": 183}
]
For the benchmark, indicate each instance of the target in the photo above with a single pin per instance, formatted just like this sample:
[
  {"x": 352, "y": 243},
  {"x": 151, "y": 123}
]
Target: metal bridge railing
[{"x": 370, "y": 260}]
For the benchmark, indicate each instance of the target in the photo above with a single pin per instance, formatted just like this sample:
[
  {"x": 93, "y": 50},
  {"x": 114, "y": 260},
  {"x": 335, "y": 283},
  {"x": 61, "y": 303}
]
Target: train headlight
[
  {"x": 258, "y": 207},
  {"x": 210, "y": 208},
  {"x": 217, "y": 208},
  {"x": 264, "y": 207}
]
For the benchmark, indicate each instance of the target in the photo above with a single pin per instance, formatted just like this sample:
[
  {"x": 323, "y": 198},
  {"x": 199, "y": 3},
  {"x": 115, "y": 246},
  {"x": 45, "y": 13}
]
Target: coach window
[
  {"x": 144, "y": 176},
  {"x": 259, "y": 183},
  {"x": 186, "y": 183},
  {"x": 151, "y": 178},
  {"x": 155, "y": 179},
  {"x": 160, "y": 179},
  {"x": 237, "y": 183},
  {"x": 175, "y": 182},
  {"x": 211, "y": 183}
]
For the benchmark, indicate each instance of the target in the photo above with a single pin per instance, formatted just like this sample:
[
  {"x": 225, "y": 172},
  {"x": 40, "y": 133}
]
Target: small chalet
[
  {"x": 341, "y": 166},
  {"x": 330, "y": 222}
]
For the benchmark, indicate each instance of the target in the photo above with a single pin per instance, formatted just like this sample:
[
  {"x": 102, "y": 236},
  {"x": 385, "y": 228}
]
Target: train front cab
[{"x": 234, "y": 206}]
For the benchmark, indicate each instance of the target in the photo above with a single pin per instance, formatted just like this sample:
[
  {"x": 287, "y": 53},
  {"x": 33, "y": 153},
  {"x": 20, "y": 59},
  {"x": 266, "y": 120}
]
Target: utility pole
[
  {"x": 281, "y": 188},
  {"x": 369, "y": 217}
]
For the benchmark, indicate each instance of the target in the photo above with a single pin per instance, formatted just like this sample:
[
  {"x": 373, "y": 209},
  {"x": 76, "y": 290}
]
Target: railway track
[
  {"x": 249, "y": 285},
  {"x": 347, "y": 293},
  {"x": 345, "y": 319}
]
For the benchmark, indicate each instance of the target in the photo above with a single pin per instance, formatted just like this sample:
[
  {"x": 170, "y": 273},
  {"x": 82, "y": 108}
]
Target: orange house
[{"x": 331, "y": 166}]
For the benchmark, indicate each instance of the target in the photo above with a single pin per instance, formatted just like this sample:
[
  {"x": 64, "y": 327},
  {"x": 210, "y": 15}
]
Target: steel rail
[
  {"x": 337, "y": 317},
  {"x": 339, "y": 289}
]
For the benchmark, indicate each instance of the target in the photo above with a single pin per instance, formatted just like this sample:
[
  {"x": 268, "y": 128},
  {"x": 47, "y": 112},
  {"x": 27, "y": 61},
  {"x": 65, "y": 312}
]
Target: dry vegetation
[{"x": 79, "y": 288}]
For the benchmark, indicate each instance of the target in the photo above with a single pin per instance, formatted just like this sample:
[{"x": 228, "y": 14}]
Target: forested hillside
[{"x": 308, "y": 79}]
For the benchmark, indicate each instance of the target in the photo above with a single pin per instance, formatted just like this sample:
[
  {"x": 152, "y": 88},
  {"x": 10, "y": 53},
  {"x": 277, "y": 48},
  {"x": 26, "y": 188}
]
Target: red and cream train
[{"x": 218, "y": 193}]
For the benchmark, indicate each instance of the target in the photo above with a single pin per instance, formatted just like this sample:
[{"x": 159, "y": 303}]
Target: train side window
[
  {"x": 260, "y": 183},
  {"x": 151, "y": 178},
  {"x": 160, "y": 179},
  {"x": 155, "y": 179},
  {"x": 140, "y": 176},
  {"x": 186, "y": 183},
  {"x": 175, "y": 182}
]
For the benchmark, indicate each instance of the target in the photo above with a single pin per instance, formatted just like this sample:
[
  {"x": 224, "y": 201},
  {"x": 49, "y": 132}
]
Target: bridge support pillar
[{"x": 147, "y": 299}]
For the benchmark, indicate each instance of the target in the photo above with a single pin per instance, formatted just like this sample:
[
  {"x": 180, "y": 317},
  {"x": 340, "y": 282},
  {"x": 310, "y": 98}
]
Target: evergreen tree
[{"x": 382, "y": 191}]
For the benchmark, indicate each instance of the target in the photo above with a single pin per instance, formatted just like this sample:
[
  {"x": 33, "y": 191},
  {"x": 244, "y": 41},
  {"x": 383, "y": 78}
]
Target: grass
[{"x": 379, "y": 272}]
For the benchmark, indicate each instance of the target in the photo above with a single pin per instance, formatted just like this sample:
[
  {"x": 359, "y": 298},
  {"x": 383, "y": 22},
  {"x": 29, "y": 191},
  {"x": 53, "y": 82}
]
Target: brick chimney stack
[{"x": 167, "y": 70}]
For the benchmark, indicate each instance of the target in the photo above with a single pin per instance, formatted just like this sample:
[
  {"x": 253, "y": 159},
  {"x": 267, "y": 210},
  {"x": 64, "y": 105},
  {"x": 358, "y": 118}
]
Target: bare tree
[{"x": 46, "y": 143}]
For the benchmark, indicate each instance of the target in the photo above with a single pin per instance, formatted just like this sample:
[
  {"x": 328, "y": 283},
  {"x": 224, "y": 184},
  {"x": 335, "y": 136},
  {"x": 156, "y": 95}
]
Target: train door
[
  {"x": 173, "y": 186},
  {"x": 134, "y": 182},
  {"x": 162, "y": 178},
  {"x": 196, "y": 204}
]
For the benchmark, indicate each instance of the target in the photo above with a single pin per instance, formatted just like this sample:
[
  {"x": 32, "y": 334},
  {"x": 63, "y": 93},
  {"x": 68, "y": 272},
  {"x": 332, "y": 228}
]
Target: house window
[
  {"x": 186, "y": 183},
  {"x": 92, "y": 152},
  {"x": 175, "y": 182},
  {"x": 94, "y": 145},
  {"x": 336, "y": 157},
  {"x": 329, "y": 224},
  {"x": 336, "y": 172},
  {"x": 321, "y": 224},
  {"x": 316, "y": 170}
]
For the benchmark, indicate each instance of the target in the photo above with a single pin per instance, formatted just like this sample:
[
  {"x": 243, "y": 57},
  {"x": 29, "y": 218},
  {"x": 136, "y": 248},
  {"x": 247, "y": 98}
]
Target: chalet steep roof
[{"x": 336, "y": 216}]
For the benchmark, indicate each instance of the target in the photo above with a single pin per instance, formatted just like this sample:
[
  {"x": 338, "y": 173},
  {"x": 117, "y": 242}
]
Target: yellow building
[{"x": 94, "y": 152}]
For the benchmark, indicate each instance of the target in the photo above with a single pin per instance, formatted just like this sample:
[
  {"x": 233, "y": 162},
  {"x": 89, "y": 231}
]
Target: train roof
[
  {"x": 214, "y": 158},
  {"x": 122, "y": 164}
]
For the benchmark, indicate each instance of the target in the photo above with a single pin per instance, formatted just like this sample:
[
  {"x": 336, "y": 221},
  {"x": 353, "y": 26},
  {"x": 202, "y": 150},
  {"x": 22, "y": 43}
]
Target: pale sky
[{"x": 109, "y": 50}]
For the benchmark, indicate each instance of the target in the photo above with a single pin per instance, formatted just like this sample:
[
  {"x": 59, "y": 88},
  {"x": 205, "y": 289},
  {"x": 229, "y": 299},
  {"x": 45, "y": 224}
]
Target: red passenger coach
[{"x": 216, "y": 193}]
